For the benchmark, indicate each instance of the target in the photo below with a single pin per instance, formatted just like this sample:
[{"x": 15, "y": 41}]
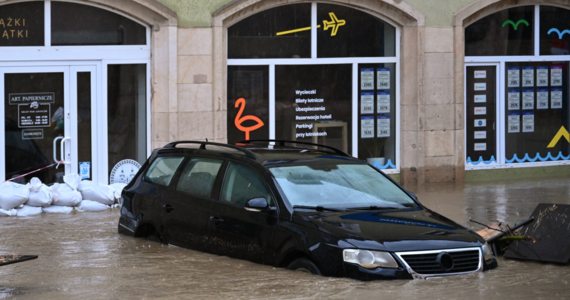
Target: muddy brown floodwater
[{"x": 81, "y": 256}]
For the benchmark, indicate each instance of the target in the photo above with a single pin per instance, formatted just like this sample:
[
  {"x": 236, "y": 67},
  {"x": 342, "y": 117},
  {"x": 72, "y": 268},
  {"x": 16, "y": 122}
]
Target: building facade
[{"x": 428, "y": 91}]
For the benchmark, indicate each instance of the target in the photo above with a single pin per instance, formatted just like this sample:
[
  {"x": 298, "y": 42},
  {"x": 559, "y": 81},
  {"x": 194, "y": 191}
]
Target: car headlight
[
  {"x": 369, "y": 259},
  {"x": 487, "y": 252}
]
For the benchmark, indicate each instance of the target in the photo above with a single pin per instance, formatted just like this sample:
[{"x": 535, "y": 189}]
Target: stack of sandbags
[
  {"x": 40, "y": 194},
  {"x": 118, "y": 187},
  {"x": 97, "y": 196},
  {"x": 67, "y": 192},
  {"x": 13, "y": 195},
  {"x": 27, "y": 210},
  {"x": 89, "y": 205}
]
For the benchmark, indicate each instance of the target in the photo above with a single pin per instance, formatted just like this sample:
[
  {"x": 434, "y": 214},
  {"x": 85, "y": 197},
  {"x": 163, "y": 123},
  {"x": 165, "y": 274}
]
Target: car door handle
[
  {"x": 168, "y": 208},
  {"x": 216, "y": 219}
]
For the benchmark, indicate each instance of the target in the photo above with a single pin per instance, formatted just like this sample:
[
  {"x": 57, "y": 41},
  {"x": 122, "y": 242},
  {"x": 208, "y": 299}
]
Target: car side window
[
  {"x": 198, "y": 176},
  {"x": 241, "y": 184},
  {"x": 162, "y": 170}
]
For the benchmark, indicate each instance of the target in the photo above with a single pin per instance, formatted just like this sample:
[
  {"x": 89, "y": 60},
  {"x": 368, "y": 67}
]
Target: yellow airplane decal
[
  {"x": 334, "y": 23},
  {"x": 561, "y": 133}
]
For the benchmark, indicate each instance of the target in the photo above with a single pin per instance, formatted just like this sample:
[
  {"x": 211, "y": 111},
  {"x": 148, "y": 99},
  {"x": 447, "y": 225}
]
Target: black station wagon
[{"x": 301, "y": 206}]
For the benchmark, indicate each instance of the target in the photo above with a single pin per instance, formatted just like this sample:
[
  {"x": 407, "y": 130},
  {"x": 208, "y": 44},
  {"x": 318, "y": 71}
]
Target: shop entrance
[{"x": 49, "y": 116}]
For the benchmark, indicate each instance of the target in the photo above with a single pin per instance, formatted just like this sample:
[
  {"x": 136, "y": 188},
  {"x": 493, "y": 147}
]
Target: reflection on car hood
[{"x": 394, "y": 230}]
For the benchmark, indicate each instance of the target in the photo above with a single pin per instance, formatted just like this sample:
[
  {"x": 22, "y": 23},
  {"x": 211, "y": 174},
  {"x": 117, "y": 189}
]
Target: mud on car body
[{"x": 301, "y": 206}]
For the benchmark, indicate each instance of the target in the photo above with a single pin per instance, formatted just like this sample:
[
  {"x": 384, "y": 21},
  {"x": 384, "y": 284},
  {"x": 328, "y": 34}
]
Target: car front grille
[{"x": 426, "y": 262}]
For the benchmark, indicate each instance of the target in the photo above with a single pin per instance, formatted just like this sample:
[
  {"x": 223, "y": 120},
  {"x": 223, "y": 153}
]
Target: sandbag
[
  {"x": 89, "y": 205},
  {"x": 58, "y": 209},
  {"x": 54, "y": 193},
  {"x": 118, "y": 187},
  {"x": 8, "y": 213},
  {"x": 97, "y": 192},
  {"x": 28, "y": 211},
  {"x": 13, "y": 195},
  {"x": 40, "y": 194},
  {"x": 68, "y": 193}
]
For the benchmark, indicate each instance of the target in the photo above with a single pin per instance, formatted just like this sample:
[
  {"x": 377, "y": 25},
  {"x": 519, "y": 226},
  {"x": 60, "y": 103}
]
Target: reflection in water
[{"x": 82, "y": 257}]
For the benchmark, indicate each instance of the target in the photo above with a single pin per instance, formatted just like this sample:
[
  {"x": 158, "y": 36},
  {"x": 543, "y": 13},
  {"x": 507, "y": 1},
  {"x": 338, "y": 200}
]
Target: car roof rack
[
  {"x": 282, "y": 144},
  {"x": 247, "y": 153}
]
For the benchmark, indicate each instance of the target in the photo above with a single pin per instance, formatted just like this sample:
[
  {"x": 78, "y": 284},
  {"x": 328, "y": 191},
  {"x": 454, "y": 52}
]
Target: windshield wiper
[
  {"x": 374, "y": 207},
  {"x": 317, "y": 208}
]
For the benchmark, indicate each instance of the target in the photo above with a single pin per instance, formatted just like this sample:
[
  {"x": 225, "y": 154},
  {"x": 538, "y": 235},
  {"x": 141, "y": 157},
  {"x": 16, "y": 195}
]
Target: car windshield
[{"x": 348, "y": 186}]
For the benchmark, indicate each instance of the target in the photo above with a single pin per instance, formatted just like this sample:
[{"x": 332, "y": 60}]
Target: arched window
[
  {"x": 318, "y": 73},
  {"x": 517, "y": 106}
]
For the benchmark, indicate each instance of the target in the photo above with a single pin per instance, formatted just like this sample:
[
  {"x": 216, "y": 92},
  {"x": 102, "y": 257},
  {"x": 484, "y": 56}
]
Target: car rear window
[{"x": 162, "y": 170}]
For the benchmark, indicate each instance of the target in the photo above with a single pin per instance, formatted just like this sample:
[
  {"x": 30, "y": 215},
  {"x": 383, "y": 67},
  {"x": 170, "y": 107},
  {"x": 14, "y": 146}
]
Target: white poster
[
  {"x": 383, "y": 99},
  {"x": 480, "y": 122},
  {"x": 528, "y": 76},
  {"x": 383, "y": 77},
  {"x": 480, "y": 110},
  {"x": 480, "y": 74},
  {"x": 513, "y": 75},
  {"x": 383, "y": 126},
  {"x": 514, "y": 99},
  {"x": 367, "y": 127},
  {"x": 514, "y": 125},
  {"x": 480, "y": 146},
  {"x": 556, "y": 76},
  {"x": 480, "y": 98},
  {"x": 528, "y": 122},
  {"x": 528, "y": 99},
  {"x": 366, "y": 103},
  {"x": 366, "y": 79},
  {"x": 542, "y": 99},
  {"x": 542, "y": 76},
  {"x": 556, "y": 98},
  {"x": 480, "y": 135},
  {"x": 480, "y": 86}
]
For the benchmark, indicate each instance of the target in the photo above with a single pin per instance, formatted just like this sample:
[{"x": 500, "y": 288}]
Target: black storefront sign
[
  {"x": 34, "y": 115},
  {"x": 22, "y": 24},
  {"x": 29, "y": 98},
  {"x": 32, "y": 134}
]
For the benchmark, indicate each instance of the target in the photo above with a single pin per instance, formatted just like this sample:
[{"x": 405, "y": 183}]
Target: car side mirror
[{"x": 257, "y": 205}]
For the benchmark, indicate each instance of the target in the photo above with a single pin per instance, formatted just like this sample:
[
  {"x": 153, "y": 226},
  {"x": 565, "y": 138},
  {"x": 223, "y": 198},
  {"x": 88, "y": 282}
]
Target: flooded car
[{"x": 301, "y": 206}]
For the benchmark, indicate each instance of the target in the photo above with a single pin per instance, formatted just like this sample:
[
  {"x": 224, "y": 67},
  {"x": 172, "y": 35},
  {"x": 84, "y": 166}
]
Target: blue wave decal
[
  {"x": 492, "y": 160},
  {"x": 560, "y": 34},
  {"x": 538, "y": 157},
  {"x": 386, "y": 166}
]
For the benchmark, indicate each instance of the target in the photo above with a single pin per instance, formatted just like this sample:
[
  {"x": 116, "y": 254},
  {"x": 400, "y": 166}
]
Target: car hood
[{"x": 394, "y": 230}]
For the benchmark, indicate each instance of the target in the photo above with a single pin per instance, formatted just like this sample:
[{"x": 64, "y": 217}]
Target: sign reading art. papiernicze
[{"x": 22, "y": 24}]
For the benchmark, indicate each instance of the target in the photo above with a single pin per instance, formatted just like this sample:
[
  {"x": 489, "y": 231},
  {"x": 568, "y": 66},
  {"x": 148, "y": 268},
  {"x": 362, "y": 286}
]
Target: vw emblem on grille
[{"x": 445, "y": 261}]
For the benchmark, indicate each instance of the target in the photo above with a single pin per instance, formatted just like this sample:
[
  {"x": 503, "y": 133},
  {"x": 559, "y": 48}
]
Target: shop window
[
  {"x": 281, "y": 32},
  {"x": 126, "y": 113},
  {"x": 532, "y": 99},
  {"x": 76, "y": 24},
  {"x": 22, "y": 24},
  {"x": 349, "y": 102},
  {"x": 507, "y": 32}
]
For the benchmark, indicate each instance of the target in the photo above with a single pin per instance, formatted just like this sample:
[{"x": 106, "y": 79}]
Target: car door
[
  {"x": 187, "y": 203},
  {"x": 235, "y": 231}
]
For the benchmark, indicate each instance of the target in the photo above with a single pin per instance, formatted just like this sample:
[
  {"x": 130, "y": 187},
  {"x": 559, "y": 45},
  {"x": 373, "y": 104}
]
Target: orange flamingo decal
[{"x": 239, "y": 119}]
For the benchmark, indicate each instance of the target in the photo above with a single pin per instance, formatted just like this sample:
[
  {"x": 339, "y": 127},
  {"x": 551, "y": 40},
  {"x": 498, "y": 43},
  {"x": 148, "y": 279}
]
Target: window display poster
[
  {"x": 556, "y": 98},
  {"x": 479, "y": 135},
  {"x": 480, "y": 110},
  {"x": 556, "y": 76},
  {"x": 383, "y": 99},
  {"x": 480, "y": 122},
  {"x": 513, "y": 77},
  {"x": 383, "y": 126},
  {"x": 367, "y": 79},
  {"x": 366, "y": 103},
  {"x": 514, "y": 123},
  {"x": 541, "y": 76},
  {"x": 383, "y": 78},
  {"x": 480, "y": 146},
  {"x": 528, "y": 121},
  {"x": 528, "y": 99},
  {"x": 367, "y": 127},
  {"x": 514, "y": 101},
  {"x": 480, "y": 86},
  {"x": 528, "y": 76},
  {"x": 480, "y": 98},
  {"x": 542, "y": 99},
  {"x": 479, "y": 74}
]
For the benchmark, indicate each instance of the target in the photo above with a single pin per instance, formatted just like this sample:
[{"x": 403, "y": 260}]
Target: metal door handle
[
  {"x": 62, "y": 150},
  {"x": 55, "y": 147},
  {"x": 216, "y": 219},
  {"x": 168, "y": 208}
]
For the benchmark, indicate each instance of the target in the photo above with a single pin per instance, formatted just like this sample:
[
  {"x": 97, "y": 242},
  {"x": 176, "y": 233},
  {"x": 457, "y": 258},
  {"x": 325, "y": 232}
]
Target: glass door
[{"x": 45, "y": 110}]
